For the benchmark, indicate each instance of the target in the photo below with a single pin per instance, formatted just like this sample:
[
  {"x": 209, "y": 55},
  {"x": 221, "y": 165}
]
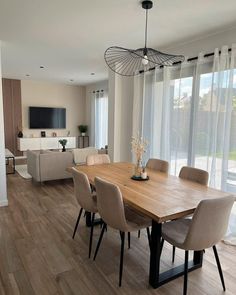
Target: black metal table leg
[
  {"x": 155, "y": 254},
  {"x": 157, "y": 279}
]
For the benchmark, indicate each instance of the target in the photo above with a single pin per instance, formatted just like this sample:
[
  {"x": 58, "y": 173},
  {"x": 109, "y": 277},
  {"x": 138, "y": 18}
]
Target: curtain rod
[
  {"x": 94, "y": 91},
  {"x": 189, "y": 59}
]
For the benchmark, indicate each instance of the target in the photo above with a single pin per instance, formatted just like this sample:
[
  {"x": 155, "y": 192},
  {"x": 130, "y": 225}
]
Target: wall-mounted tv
[{"x": 47, "y": 118}]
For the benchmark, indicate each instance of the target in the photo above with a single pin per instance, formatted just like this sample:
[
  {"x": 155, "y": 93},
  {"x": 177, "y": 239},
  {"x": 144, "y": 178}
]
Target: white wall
[
  {"x": 206, "y": 44},
  {"x": 120, "y": 117},
  {"x": 37, "y": 93},
  {"x": 3, "y": 189}
]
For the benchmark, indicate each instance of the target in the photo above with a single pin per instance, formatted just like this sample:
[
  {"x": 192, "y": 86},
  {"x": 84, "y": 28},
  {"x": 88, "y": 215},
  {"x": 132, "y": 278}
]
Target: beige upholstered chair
[
  {"x": 159, "y": 165},
  {"x": 97, "y": 159},
  {"x": 195, "y": 175},
  {"x": 204, "y": 230},
  {"x": 109, "y": 200},
  {"x": 86, "y": 199}
]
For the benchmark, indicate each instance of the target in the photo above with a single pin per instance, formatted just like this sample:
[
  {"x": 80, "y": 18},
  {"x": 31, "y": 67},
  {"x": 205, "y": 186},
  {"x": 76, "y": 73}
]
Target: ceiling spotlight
[
  {"x": 71, "y": 80},
  {"x": 92, "y": 74},
  {"x": 27, "y": 75},
  {"x": 41, "y": 67}
]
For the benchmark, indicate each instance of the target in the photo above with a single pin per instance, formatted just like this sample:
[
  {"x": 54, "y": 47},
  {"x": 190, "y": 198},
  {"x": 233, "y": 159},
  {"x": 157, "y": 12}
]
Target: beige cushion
[
  {"x": 158, "y": 165},
  {"x": 175, "y": 231},
  {"x": 135, "y": 220},
  {"x": 97, "y": 159},
  {"x": 205, "y": 229},
  {"x": 194, "y": 174},
  {"x": 112, "y": 210},
  {"x": 80, "y": 155},
  {"x": 86, "y": 199}
]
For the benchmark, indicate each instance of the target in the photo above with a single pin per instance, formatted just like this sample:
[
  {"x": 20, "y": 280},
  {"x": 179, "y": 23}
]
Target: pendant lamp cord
[{"x": 146, "y": 29}]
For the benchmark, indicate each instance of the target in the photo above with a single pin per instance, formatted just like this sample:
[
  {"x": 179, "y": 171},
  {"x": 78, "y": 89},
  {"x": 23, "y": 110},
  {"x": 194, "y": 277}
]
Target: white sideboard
[{"x": 44, "y": 143}]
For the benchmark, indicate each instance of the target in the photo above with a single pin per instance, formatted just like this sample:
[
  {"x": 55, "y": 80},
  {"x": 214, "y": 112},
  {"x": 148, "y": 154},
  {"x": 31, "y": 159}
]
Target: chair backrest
[
  {"x": 97, "y": 159},
  {"x": 159, "y": 165},
  {"x": 209, "y": 223},
  {"x": 110, "y": 204},
  {"x": 83, "y": 191},
  {"x": 194, "y": 174}
]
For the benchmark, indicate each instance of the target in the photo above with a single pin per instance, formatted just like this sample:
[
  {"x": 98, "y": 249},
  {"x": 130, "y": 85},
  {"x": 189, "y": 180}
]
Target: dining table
[{"x": 162, "y": 198}]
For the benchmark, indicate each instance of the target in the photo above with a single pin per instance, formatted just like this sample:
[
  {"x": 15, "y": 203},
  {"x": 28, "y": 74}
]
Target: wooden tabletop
[{"x": 163, "y": 197}]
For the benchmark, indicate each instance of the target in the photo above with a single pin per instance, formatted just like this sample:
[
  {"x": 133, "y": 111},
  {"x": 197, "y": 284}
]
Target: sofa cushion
[{"x": 80, "y": 155}]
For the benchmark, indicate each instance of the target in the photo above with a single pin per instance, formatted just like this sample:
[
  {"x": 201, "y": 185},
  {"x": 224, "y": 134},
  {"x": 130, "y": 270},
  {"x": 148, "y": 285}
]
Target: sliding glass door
[{"x": 189, "y": 117}]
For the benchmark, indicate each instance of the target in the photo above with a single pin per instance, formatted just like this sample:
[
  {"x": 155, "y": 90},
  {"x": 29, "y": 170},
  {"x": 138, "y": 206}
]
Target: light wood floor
[{"x": 38, "y": 255}]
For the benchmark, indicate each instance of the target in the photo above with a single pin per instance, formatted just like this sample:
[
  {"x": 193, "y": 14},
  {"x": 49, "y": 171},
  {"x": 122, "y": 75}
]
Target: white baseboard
[{"x": 4, "y": 203}]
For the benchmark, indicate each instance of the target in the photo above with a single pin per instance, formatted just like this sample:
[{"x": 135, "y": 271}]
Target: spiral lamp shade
[{"x": 131, "y": 62}]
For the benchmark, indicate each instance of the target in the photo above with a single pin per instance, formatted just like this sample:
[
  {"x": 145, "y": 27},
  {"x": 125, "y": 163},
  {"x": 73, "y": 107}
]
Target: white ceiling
[{"x": 69, "y": 37}]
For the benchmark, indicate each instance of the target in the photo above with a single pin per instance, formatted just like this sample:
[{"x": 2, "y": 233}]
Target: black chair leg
[
  {"x": 139, "y": 233},
  {"x": 99, "y": 241},
  {"x": 173, "y": 254},
  {"x": 77, "y": 223},
  {"x": 91, "y": 234},
  {"x": 219, "y": 267},
  {"x": 185, "y": 273},
  {"x": 129, "y": 240},
  {"x": 122, "y": 236},
  {"x": 149, "y": 236},
  {"x": 162, "y": 244}
]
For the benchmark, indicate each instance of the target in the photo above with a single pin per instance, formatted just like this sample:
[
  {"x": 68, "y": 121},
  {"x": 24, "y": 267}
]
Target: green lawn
[{"x": 232, "y": 155}]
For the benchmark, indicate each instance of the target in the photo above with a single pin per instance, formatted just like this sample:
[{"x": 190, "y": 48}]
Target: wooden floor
[{"x": 38, "y": 255}]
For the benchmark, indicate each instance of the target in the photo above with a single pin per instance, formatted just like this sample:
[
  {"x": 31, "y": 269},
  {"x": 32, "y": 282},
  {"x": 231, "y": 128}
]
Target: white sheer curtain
[
  {"x": 188, "y": 115},
  {"x": 100, "y": 118}
]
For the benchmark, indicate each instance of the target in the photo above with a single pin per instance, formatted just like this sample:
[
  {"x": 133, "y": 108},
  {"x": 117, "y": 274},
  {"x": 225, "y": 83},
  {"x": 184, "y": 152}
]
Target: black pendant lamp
[{"x": 131, "y": 62}]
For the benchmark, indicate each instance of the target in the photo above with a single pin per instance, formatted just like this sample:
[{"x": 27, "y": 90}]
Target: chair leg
[
  {"x": 77, "y": 223},
  {"x": 173, "y": 254},
  {"x": 129, "y": 240},
  {"x": 162, "y": 244},
  {"x": 219, "y": 267},
  {"x": 149, "y": 236},
  {"x": 122, "y": 235},
  {"x": 99, "y": 241},
  {"x": 91, "y": 234},
  {"x": 185, "y": 273},
  {"x": 139, "y": 233}
]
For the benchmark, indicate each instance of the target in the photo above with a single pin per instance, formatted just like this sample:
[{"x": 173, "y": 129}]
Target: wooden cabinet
[{"x": 11, "y": 90}]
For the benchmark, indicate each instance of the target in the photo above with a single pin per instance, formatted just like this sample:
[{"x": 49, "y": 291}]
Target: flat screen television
[{"x": 47, "y": 118}]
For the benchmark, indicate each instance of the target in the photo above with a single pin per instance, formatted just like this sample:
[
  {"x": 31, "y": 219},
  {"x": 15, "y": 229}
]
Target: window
[
  {"x": 189, "y": 118},
  {"x": 101, "y": 120}
]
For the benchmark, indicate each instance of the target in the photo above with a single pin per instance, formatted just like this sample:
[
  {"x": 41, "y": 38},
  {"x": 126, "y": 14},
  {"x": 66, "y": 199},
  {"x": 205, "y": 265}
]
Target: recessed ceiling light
[
  {"x": 41, "y": 67},
  {"x": 27, "y": 75},
  {"x": 71, "y": 80},
  {"x": 92, "y": 74}
]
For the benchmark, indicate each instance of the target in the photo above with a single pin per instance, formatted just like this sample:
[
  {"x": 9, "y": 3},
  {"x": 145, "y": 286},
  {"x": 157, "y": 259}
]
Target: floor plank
[{"x": 38, "y": 255}]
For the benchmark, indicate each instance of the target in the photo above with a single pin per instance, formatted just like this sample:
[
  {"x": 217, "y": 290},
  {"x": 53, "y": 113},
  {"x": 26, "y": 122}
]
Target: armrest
[{"x": 33, "y": 164}]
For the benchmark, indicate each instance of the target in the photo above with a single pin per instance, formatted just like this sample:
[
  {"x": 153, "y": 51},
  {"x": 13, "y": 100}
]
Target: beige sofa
[
  {"x": 46, "y": 165},
  {"x": 52, "y": 165}
]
